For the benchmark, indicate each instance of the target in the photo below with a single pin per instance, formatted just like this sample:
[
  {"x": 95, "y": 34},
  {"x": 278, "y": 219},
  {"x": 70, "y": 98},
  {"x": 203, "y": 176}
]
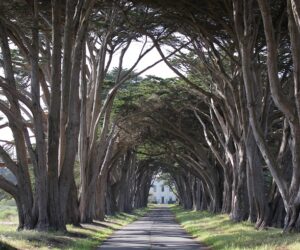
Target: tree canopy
[{"x": 226, "y": 129}]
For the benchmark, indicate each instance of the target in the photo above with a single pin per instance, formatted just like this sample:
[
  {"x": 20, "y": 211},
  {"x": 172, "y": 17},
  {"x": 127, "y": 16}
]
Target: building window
[
  {"x": 162, "y": 188},
  {"x": 163, "y": 200}
]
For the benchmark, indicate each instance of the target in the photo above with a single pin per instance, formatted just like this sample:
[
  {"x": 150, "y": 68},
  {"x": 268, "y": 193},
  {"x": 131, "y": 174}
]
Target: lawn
[
  {"x": 88, "y": 237},
  {"x": 219, "y": 232}
]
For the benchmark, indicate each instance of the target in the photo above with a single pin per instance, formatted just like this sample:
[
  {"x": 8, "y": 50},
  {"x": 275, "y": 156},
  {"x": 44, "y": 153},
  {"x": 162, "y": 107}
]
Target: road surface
[{"x": 157, "y": 230}]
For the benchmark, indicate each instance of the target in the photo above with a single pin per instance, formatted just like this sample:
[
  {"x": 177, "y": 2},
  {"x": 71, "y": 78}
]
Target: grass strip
[
  {"x": 219, "y": 232},
  {"x": 89, "y": 236}
]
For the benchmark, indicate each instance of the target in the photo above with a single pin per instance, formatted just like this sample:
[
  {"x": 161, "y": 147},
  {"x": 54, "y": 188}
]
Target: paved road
[{"x": 157, "y": 230}]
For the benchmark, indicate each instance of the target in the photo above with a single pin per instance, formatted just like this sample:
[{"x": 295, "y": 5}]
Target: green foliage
[
  {"x": 135, "y": 93},
  {"x": 149, "y": 108},
  {"x": 77, "y": 173},
  {"x": 8, "y": 210},
  {"x": 219, "y": 232}
]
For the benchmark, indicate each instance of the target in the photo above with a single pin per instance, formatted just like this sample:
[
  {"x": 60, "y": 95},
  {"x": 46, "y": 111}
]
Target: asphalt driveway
[{"x": 157, "y": 230}]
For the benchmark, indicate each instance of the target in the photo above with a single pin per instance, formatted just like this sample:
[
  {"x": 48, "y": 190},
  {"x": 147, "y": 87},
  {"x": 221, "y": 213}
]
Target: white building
[{"x": 160, "y": 193}]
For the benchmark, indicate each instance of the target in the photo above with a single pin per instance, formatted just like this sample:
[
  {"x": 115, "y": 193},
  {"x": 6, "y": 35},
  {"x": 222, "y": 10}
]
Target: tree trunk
[
  {"x": 239, "y": 211},
  {"x": 72, "y": 214},
  {"x": 101, "y": 196},
  {"x": 21, "y": 171},
  {"x": 56, "y": 219}
]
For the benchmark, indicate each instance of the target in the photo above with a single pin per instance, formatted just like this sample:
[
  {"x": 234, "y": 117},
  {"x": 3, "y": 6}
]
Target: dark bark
[
  {"x": 56, "y": 219},
  {"x": 25, "y": 199},
  {"x": 41, "y": 170},
  {"x": 239, "y": 207},
  {"x": 256, "y": 183}
]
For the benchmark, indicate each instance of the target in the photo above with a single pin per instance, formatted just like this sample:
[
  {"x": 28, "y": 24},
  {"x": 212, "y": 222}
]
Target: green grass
[
  {"x": 88, "y": 237},
  {"x": 219, "y": 232},
  {"x": 8, "y": 211}
]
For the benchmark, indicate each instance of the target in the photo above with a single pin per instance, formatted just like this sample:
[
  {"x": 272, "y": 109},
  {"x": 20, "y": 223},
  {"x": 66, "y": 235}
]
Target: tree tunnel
[{"x": 88, "y": 136}]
